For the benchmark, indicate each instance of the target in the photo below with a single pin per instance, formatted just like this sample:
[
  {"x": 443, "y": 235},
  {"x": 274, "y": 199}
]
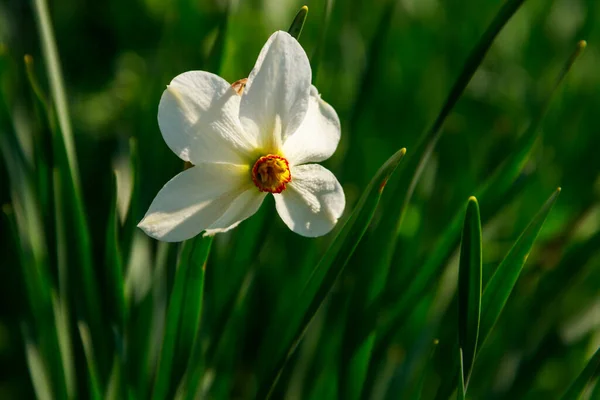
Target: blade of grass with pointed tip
[
  {"x": 92, "y": 370},
  {"x": 282, "y": 339},
  {"x": 419, "y": 158},
  {"x": 500, "y": 286},
  {"x": 589, "y": 373},
  {"x": 492, "y": 192},
  {"x": 503, "y": 280},
  {"x": 469, "y": 289},
  {"x": 298, "y": 23},
  {"x": 114, "y": 264}
]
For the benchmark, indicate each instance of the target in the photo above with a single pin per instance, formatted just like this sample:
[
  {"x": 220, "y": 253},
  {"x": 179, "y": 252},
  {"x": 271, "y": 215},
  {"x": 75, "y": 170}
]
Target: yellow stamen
[{"x": 271, "y": 173}]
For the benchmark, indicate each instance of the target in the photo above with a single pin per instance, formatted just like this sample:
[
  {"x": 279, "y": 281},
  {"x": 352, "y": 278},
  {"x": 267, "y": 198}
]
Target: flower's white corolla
[{"x": 246, "y": 142}]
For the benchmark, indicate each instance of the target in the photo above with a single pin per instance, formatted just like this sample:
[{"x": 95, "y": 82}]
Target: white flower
[{"x": 245, "y": 142}]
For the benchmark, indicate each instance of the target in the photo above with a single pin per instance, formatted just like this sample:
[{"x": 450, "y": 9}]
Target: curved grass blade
[
  {"x": 282, "y": 339},
  {"x": 176, "y": 329},
  {"x": 416, "y": 164},
  {"x": 503, "y": 280},
  {"x": 589, "y": 373},
  {"x": 492, "y": 192},
  {"x": 469, "y": 290},
  {"x": 298, "y": 23}
]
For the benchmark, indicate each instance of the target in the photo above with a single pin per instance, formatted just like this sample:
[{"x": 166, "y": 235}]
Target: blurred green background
[{"x": 386, "y": 67}]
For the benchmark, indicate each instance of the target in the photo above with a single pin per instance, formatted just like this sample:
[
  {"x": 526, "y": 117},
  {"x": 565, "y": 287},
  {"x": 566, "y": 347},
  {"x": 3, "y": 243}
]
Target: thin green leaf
[
  {"x": 461, "y": 380},
  {"x": 315, "y": 60},
  {"x": 57, "y": 86},
  {"x": 92, "y": 370},
  {"x": 416, "y": 165},
  {"x": 185, "y": 270},
  {"x": 114, "y": 264},
  {"x": 503, "y": 280},
  {"x": 469, "y": 289},
  {"x": 298, "y": 23},
  {"x": 493, "y": 192},
  {"x": 192, "y": 306},
  {"x": 38, "y": 371},
  {"x": 282, "y": 339},
  {"x": 589, "y": 373}
]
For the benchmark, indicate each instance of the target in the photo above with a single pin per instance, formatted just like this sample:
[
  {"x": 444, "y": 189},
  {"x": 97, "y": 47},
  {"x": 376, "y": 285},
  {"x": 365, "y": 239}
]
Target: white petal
[
  {"x": 194, "y": 200},
  {"x": 313, "y": 201},
  {"x": 276, "y": 96},
  {"x": 244, "y": 206},
  {"x": 198, "y": 116},
  {"x": 317, "y": 137}
]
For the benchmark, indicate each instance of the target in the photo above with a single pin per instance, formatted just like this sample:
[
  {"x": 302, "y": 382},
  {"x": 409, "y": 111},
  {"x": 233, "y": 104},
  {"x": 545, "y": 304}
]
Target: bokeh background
[{"x": 386, "y": 67}]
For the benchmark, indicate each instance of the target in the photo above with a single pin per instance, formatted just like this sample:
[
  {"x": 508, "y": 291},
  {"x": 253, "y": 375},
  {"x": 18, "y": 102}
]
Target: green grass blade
[
  {"x": 114, "y": 265},
  {"x": 298, "y": 23},
  {"x": 469, "y": 289},
  {"x": 186, "y": 269},
  {"x": 192, "y": 306},
  {"x": 282, "y": 339},
  {"x": 428, "y": 142},
  {"x": 57, "y": 86},
  {"x": 92, "y": 370},
  {"x": 72, "y": 227},
  {"x": 461, "y": 377},
  {"x": 503, "y": 280},
  {"x": 493, "y": 192},
  {"x": 589, "y": 373},
  {"x": 38, "y": 371},
  {"x": 315, "y": 60}
]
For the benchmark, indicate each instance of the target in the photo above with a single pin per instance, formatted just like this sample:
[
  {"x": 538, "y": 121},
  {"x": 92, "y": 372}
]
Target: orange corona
[{"x": 271, "y": 173}]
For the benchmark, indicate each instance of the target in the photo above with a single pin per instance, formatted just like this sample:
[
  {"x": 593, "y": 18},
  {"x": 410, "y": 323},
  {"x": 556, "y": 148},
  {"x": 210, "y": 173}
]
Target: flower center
[{"x": 270, "y": 173}]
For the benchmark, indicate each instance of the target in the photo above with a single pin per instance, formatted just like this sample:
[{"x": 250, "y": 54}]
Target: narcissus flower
[{"x": 246, "y": 140}]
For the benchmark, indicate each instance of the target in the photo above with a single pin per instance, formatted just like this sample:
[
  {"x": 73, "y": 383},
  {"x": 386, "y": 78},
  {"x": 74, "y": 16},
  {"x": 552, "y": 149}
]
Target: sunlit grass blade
[
  {"x": 192, "y": 306},
  {"x": 469, "y": 289},
  {"x": 114, "y": 265},
  {"x": 63, "y": 330},
  {"x": 461, "y": 380},
  {"x": 589, "y": 373},
  {"x": 425, "y": 147},
  {"x": 57, "y": 86},
  {"x": 132, "y": 219},
  {"x": 493, "y": 192},
  {"x": 95, "y": 391},
  {"x": 410, "y": 176},
  {"x": 315, "y": 60},
  {"x": 503, "y": 280},
  {"x": 22, "y": 220},
  {"x": 73, "y": 224},
  {"x": 38, "y": 371},
  {"x": 298, "y": 23},
  {"x": 186, "y": 269},
  {"x": 282, "y": 339}
]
